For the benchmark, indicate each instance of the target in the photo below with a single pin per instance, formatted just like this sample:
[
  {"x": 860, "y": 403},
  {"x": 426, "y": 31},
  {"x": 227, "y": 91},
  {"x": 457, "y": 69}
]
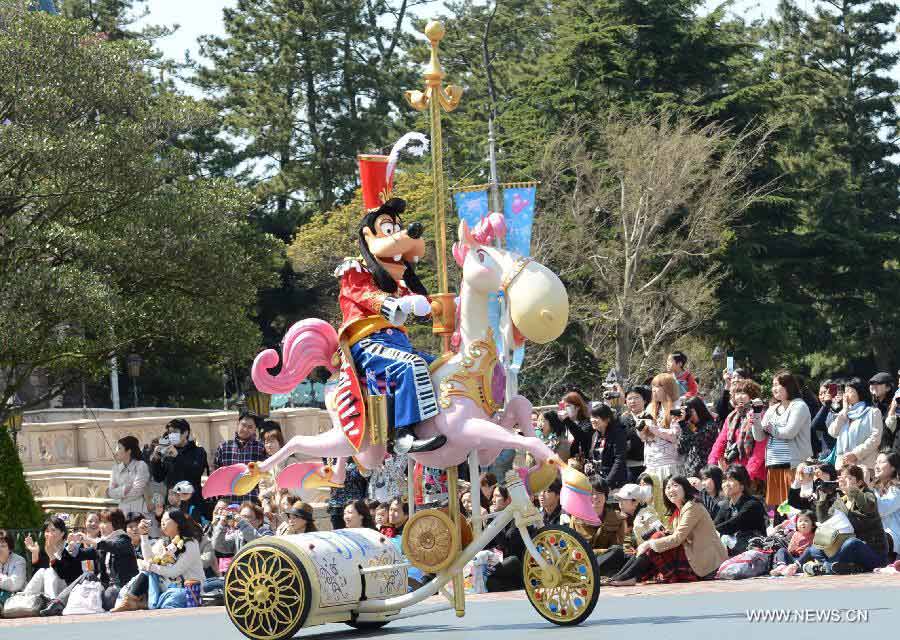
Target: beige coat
[{"x": 694, "y": 529}]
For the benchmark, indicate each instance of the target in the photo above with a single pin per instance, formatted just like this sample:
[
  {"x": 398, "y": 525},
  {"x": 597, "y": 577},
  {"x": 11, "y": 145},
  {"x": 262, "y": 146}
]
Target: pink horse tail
[{"x": 308, "y": 344}]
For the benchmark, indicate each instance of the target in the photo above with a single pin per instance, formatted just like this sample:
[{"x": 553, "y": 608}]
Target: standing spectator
[
  {"x": 390, "y": 479},
  {"x": 857, "y": 427},
  {"x": 660, "y": 434},
  {"x": 180, "y": 459},
  {"x": 114, "y": 557},
  {"x": 130, "y": 475},
  {"x": 54, "y": 567},
  {"x": 698, "y": 435},
  {"x": 355, "y": 488},
  {"x": 552, "y": 432},
  {"x": 676, "y": 364},
  {"x": 886, "y": 486},
  {"x": 486, "y": 485},
  {"x": 881, "y": 386},
  {"x": 636, "y": 401},
  {"x": 735, "y": 443},
  {"x": 742, "y": 516},
  {"x": 725, "y": 405},
  {"x": 358, "y": 516},
  {"x": 243, "y": 448},
  {"x": 609, "y": 446},
  {"x": 578, "y": 423},
  {"x": 822, "y": 443},
  {"x": 786, "y": 429},
  {"x": 549, "y": 501},
  {"x": 12, "y": 568}
]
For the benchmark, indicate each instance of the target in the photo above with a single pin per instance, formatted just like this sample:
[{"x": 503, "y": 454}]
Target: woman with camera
[
  {"x": 660, "y": 430},
  {"x": 851, "y": 527},
  {"x": 821, "y": 442},
  {"x": 690, "y": 552},
  {"x": 636, "y": 401},
  {"x": 742, "y": 516},
  {"x": 857, "y": 427},
  {"x": 814, "y": 482},
  {"x": 698, "y": 435},
  {"x": 735, "y": 443},
  {"x": 786, "y": 429},
  {"x": 578, "y": 423}
]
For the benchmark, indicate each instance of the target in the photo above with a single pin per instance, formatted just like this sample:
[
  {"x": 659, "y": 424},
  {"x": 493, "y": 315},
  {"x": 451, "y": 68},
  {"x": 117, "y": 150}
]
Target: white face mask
[{"x": 571, "y": 411}]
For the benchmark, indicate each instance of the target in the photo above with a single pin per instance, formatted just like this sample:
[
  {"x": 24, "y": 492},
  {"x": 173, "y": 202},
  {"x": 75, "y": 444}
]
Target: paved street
[{"x": 672, "y": 612}]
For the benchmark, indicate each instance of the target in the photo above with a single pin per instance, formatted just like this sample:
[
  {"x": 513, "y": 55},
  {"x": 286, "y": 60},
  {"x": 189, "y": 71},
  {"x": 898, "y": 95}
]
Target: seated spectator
[
  {"x": 91, "y": 528},
  {"x": 886, "y": 486},
  {"x": 12, "y": 568},
  {"x": 609, "y": 446},
  {"x": 741, "y": 516},
  {"x": 132, "y": 528},
  {"x": 639, "y": 522},
  {"x": 130, "y": 475},
  {"x": 487, "y": 483},
  {"x": 299, "y": 520},
  {"x": 398, "y": 514},
  {"x": 801, "y": 540},
  {"x": 358, "y": 516},
  {"x": 381, "y": 511},
  {"x": 866, "y": 547},
  {"x": 710, "y": 488},
  {"x": 611, "y": 530},
  {"x": 803, "y": 493},
  {"x": 113, "y": 556},
  {"x": 735, "y": 443},
  {"x": 698, "y": 435},
  {"x": 166, "y": 567},
  {"x": 636, "y": 401},
  {"x": 549, "y": 501},
  {"x": 54, "y": 567},
  {"x": 857, "y": 428},
  {"x": 198, "y": 510},
  {"x": 690, "y": 552},
  {"x": 232, "y": 533},
  {"x": 507, "y": 575}
]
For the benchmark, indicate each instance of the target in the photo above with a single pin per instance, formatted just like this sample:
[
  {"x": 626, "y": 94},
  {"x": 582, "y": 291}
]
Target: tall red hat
[{"x": 376, "y": 172}]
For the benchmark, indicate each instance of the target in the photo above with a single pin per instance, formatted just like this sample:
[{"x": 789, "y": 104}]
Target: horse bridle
[{"x": 517, "y": 268}]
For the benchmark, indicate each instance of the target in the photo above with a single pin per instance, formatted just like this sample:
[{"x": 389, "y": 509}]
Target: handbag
[
  {"x": 24, "y": 605},
  {"x": 86, "y": 598},
  {"x": 779, "y": 452},
  {"x": 832, "y": 533}
]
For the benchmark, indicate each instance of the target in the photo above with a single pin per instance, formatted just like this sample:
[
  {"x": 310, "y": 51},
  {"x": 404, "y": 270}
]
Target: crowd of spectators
[{"x": 680, "y": 486}]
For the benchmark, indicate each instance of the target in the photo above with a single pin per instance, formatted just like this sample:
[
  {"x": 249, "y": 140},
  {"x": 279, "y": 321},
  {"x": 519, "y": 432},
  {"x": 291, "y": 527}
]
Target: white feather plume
[{"x": 412, "y": 136}]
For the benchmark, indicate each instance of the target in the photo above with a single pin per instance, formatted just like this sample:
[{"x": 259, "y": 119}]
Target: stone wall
[{"x": 68, "y": 462}]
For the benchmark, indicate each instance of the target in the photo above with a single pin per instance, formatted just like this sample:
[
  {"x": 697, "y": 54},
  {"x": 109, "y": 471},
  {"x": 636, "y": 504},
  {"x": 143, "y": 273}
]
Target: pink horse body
[{"x": 311, "y": 343}]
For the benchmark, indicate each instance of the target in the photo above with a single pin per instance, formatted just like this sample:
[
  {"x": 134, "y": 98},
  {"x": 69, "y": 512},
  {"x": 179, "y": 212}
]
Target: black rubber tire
[
  {"x": 589, "y": 553},
  {"x": 371, "y": 625}
]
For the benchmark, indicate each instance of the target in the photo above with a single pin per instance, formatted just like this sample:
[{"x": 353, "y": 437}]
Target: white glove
[{"x": 416, "y": 304}]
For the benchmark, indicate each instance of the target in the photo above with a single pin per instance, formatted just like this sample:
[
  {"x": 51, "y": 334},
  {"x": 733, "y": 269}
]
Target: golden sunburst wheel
[
  {"x": 267, "y": 592},
  {"x": 566, "y": 593},
  {"x": 430, "y": 541}
]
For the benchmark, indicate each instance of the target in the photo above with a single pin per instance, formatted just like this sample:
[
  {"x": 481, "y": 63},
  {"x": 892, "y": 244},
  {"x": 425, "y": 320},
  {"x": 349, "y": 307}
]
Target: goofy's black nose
[{"x": 415, "y": 230}]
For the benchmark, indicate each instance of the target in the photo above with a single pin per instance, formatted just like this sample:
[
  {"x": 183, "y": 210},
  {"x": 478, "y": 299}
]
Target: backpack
[{"x": 750, "y": 564}]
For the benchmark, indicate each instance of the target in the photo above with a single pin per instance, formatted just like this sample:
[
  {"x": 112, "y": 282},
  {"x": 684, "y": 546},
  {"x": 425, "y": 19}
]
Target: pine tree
[{"x": 18, "y": 510}]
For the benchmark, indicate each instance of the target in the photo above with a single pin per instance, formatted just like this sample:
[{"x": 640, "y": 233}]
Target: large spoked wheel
[
  {"x": 267, "y": 592},
  {"x": 566, "y": 593}
]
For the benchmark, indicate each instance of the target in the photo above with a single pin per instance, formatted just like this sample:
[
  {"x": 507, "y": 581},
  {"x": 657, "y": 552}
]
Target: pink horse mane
[
  {"x": 491, "y": 227},
  {"x": 308, "y": 344}
]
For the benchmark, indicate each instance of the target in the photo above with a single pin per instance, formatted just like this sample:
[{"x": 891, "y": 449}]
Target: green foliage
[
  {"x": 108, "y": 239},
  {"x": 18, "y": 510}
]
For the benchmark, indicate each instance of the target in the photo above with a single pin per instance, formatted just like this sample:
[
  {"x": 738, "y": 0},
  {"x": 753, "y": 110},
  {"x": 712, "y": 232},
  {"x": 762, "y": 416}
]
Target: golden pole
[
  {"x": 459, "y": 591},
  {"x": 434, "y": 98}
]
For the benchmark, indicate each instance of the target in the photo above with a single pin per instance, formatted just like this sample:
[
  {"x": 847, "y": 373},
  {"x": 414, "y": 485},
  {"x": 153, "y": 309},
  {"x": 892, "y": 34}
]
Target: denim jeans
[{"x": 853, "y": 550}]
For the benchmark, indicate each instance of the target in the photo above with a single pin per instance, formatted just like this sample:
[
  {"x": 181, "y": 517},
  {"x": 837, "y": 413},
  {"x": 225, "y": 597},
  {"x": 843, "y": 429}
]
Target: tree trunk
[{"x": 623, "y": 345}]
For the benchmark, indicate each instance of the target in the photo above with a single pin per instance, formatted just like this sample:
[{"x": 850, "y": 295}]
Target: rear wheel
[
  {"x": 371, "y": 625},
  {"x": 566, "y": 594}
]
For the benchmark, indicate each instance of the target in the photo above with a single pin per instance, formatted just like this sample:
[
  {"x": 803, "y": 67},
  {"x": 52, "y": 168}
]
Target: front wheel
[
  {"x": 371, "y": 625},
  {"x": 567, "y": 593}
]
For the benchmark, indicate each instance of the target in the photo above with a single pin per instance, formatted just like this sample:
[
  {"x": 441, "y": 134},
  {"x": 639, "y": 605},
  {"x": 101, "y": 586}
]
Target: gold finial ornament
[{"x": 436, "y": 97}]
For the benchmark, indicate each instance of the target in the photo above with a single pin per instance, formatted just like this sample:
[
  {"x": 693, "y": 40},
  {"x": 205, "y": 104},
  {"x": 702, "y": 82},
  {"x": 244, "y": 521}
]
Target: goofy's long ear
[{"x": 465, "y": 242}]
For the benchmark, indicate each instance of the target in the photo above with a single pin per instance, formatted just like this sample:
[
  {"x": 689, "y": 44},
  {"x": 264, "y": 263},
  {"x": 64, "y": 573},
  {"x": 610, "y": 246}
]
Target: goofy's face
[{"x": 393, "y": 246}]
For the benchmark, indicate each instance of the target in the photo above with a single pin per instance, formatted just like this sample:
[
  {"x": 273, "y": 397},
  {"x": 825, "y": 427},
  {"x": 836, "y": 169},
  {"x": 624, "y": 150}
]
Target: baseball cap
[
  {"x": 629, "y": 491},
  {"x": 882, "y": 378},
  {"x": 183, "y": 487}
]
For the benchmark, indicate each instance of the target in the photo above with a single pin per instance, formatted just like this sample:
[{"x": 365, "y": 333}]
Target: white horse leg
[{"x": 485, "y": 434}]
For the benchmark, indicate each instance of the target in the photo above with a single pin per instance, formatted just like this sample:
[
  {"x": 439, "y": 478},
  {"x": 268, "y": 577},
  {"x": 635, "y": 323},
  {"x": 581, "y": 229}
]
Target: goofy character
[{"x": 377, "y": 294}]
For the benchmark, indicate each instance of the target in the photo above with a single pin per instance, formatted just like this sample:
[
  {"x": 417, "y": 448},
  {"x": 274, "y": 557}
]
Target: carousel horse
[{"x": 469, "y": 384}]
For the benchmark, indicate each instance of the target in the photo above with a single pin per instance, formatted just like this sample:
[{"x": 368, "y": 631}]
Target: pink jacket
[{"x": 755, "y": 463}]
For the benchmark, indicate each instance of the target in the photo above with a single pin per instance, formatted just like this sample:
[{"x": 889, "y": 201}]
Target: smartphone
[
  {"x": 729, "y": 364},
  {"x": 832, "y": 390}
]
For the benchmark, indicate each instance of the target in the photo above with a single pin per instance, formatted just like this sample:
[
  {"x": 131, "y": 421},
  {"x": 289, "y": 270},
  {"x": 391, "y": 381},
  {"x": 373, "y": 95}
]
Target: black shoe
[
  {"x": 846, "y": 568},
  {"x": 55, "y": 608},
  {"x": 407, "y": 443}
]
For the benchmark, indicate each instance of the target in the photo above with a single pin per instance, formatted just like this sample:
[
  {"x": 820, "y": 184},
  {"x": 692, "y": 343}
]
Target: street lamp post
[
  {"x": 718, "y": 355},
  {"x": 224, "y": 391},
  {"x": 134, "y": 362},
  {"x": 14, "y": 419}
]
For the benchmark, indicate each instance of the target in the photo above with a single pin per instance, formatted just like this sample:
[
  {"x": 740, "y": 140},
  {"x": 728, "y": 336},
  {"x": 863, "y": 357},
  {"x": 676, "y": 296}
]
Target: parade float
[{"x": 446, "y": 411}]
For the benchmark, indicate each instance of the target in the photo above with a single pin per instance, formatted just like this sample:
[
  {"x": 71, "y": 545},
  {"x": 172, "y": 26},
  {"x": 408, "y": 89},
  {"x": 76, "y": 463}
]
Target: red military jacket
[{"x": 360, "y": 298}]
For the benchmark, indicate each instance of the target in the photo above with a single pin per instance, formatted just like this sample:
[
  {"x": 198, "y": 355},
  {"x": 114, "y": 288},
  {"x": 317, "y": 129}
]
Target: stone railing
[{"x": 68, "y": 463}]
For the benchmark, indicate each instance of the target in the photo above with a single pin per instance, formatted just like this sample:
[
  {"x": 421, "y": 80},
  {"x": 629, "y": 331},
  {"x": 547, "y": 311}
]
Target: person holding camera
[
  {"x": 735, "y": 443},
  {"x": 609, "y": 447},
  {"x": 857, "y": 427},
  {"x": 178, "y": 458},
  {"x": 742, "y": 516},
  {"x": 698, "y": 435},
  {"x": 578, "y": 423},
  {"x": 660, "y": 430},
  {"x": 232, "y": 532},
  {"x": 786, "y": 430},
  {"x": 814, "y": 482},
  {"x": 636, "y": 400},
  {"x": 724, "y": 405},
  {"x": 822, "y": 443}
]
